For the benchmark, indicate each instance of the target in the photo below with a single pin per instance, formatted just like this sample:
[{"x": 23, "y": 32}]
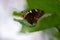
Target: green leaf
[
  {"x": 49, "y": 6},
  {"x": 15, "y": 13},
  {"x": 47, "y": 22},
  {"x": 58, "y": 27},
  {"x": 26, "y": 27},
  {"x": 57, "y": 35}
]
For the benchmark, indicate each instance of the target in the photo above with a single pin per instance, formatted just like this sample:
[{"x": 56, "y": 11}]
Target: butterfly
[{"x": 33, "y": 15}]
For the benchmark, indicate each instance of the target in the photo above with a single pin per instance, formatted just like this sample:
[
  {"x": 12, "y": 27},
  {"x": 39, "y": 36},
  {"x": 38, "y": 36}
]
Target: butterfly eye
[{"x": 30, "y": 11}]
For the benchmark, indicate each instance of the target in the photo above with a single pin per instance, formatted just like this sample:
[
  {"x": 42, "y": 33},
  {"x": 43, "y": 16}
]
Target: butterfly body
[{"x": 33, "y": 15}]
